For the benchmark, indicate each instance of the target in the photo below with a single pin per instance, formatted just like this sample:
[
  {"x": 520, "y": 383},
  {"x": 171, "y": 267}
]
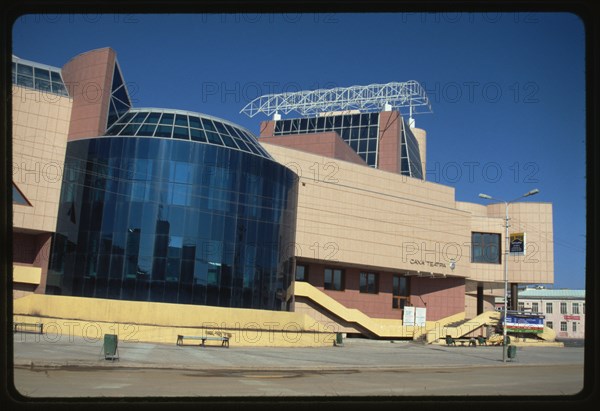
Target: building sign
[
  {"x": 520, "y": 323},
  {"x": 409, "y": 316},
  {"x": 517, "y": 244},
  {"x": 420, "y": 316},
  {"x": 572, "y": 317}
]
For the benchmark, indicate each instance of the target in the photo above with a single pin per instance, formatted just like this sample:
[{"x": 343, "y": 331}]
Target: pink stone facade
[
  {"x": 328, "y": 144},
  {"x": 88, "y": 78},
  {"x": 442, "y": 297}
]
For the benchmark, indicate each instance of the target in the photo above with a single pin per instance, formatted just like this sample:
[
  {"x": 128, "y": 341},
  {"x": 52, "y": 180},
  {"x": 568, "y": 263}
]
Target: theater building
[{"x": 326, "y": 215}]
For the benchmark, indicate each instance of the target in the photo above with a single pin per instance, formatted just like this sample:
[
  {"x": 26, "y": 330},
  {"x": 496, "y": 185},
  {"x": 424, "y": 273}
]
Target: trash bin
[
  {"x": 512, "y": 351},
  {"x": 338, "y": 339},
  {"x": 110, "y": 347}
]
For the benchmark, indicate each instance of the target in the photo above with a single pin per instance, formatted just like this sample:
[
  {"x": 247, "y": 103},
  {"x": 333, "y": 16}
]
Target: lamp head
[
  {"x": 487, "y": 197},
  {"x": 532, "y": 192}
]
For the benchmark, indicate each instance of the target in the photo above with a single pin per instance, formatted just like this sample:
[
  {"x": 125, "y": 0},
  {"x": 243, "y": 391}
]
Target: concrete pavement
[{"x": 62, "y": 366}]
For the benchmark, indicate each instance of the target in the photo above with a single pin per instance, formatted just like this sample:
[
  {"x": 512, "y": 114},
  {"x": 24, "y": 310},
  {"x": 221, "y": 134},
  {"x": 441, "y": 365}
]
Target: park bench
[
  {"x": 452, "y": 341},
  {"x": 28, "y": 327},
  {"x": 210, "y": 336}
]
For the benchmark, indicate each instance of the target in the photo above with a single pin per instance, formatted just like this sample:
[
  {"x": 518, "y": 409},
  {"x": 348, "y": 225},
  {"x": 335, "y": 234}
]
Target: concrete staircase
[{"x": 459, "y": 329}]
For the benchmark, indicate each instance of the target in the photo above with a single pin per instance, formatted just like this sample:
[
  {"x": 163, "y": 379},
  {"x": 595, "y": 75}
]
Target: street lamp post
[{"x": 506, "y": 253}]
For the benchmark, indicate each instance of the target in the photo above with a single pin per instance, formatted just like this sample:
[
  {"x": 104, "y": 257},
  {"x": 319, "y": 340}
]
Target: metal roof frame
[{"x": 374, "y": 97}]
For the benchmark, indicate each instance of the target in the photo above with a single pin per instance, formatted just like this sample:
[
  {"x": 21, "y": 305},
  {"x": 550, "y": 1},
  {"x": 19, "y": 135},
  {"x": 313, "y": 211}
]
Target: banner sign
[
  {"x": 517, "y": 244},
  {"x": 420, "y": 316},
  {"x": 409, "y": 316},
  {"x": 524, "y": 324},
  {"x": 572, "y": 317}
]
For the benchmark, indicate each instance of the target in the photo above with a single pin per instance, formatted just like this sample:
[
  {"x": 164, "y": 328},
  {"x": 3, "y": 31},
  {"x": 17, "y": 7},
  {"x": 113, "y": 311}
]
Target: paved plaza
[{"x": 62, "y": 366}]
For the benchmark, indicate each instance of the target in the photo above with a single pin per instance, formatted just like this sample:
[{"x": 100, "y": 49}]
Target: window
[
  {"x": 334, "y": 279},
  {"x": 534, "y": 307},
  {"x": 18, "y": 197},
  {"x": 369, "y": 283},
  {"x": 400, "y": 292},
  {"x": 549, "y": 324},
  {"x": 485, "y": 248},
  {"x": 563, "y": 326},
  {"x": 574, "y": 327},
  {"x": 575, "y": 309},
  {"x": 521, "y": 307},
  {"x": 563, "y": 308},
  {"x": 548, "y": 308},
  {"x": 301, "y": 272}
]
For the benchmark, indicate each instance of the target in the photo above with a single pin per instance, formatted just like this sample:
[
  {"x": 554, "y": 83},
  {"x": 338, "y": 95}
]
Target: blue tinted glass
[
  {"x": 230, "y": 130},
  {"x": 197, "y": 135},
  {"x": 23, "y": 69},
  {"x": 220, "y": 127},
  {"x": 167, "y": 118},
  {"x": 42, "y": 85},
  {"x": 121, "y": 94},
  {"x": 278, "y": 127},
  {"x": 114, "y": 130},
  {"x": 208, "y": 125},
  {"x": 54, "y": 76},
  {"x": 195, "y": 122},
  {"x": 121, "y": 108},
  {"x": 25, "y": 81},
  {"x": 117, "y": 78},
  {"x": 146, "y": 130},
  {"x": 42, "y": 74},
  {"x": 214, "y": 138},
  {"x": 58, "y": 88},
  {"x": 229, "y": 142},
  {"x": 163, "y": 131},
  {"x": 126, "y": 117},
  {"x": 181, "y": 133},
  {"x": 18, "y": 198},
  {"x": 181, "y": 120},
  {"x": 129, "y": 130},
  {"x": 153, "y": 118},
  {"x": 139, "y": 117}
]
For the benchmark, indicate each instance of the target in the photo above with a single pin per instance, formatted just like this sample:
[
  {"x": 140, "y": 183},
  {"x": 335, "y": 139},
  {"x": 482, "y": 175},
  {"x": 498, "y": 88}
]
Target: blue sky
[{"x": 507, "y": 89}]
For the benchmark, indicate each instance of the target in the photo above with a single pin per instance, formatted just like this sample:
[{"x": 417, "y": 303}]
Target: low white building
[{"x": 564, "y": 310}]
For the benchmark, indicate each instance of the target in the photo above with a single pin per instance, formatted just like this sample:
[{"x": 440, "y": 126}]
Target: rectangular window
[
  {"x": 400, "y": 292},
  {"x": 563, "y": 308},
  {"x": 534, "y": 307},
  {"x": 369, "y": 283},
  {"x": 549, "y": 324},
  {"x": 301, "y": 272},
  {"x": 574, "y": 327},
  {"x": 334, "y": 279},
  {"x": 521, "y": 307},
  {"x": 485, "y": 248},
  {"x": 575, "y": 308},
  {"x": 548, "y": 308},
  {"x": 563, "y": 326}
]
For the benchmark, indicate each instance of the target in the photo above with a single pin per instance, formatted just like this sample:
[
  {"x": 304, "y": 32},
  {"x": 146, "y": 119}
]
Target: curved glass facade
[
  {"x": 185, "y": 125},
  {"x": 167, "y": 220}
]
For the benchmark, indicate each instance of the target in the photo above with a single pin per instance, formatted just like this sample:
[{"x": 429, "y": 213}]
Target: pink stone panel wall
[
  {"x": 443, "y": 296},
  {"x": 267, "y": 128},
  {"x": 88, "y": 78},
  {"x": 327, "y": 144},
  {"x": 33, "y": 250},
  {"x": 390, "y": 126}
]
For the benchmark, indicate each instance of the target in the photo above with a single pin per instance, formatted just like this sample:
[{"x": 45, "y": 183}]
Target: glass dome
[{"x": 186, "y": 125}]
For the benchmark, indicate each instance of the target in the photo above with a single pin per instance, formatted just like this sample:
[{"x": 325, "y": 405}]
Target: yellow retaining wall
[
  {"x": 381, "y": 327},
  {"x": 139, "y": 321},
  {"x": 26, "y": 274}
]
